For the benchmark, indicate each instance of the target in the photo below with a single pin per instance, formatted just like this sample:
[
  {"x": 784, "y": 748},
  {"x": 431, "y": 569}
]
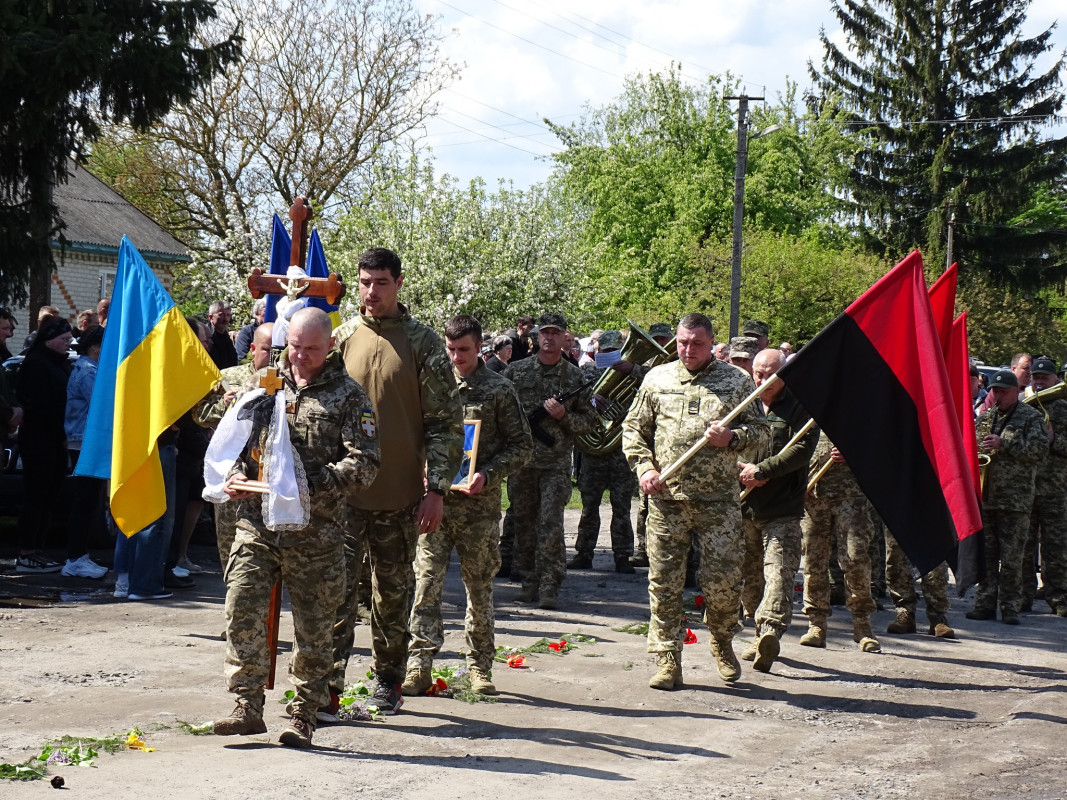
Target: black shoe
[
  {"x": 387, "y": 698},
  {"x": 623, "y": 565},
  {"x": 639, "y": 559},
  {"x": 1009, "y": 618},
  {"x": 580, "y": 562},
  {"x": 172, "y": 581},
  {"x": 981, "y": 613}
]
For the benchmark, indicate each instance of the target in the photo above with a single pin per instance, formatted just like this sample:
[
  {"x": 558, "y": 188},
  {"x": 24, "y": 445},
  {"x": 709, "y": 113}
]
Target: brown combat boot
[
  {"x": 864, "y": 636},
  {"x": 767, "y": 649},
  {"x": 242, "y": 721},
  {"x": 815, "y": 637},
  {"x": 725, "y": 659},
  {"x": 749, "y": 653},
  {"x": 298, "y": 734},
  {"x": 941, "y": 630},
  {"x": 416, "y": 681},
  {"x": 481, "y": 681},
  {"x": 904, "y": 623},
  {"x": 669, "y": 675}
]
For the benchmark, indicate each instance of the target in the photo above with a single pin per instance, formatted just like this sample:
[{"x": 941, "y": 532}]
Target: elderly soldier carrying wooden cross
[{"x": 298, "y": 438}]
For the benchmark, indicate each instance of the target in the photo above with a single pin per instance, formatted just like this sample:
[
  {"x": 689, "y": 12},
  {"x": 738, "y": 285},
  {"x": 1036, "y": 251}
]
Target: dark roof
[{"x": 97, "y": 217}]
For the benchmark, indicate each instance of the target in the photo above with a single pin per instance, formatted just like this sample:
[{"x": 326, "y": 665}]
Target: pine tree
[
  {"x": 944, "y": 97},
  {"x": 65, "y": 67}
]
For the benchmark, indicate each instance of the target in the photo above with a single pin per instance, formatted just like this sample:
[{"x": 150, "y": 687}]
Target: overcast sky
[{"x": 523, "y": 61}]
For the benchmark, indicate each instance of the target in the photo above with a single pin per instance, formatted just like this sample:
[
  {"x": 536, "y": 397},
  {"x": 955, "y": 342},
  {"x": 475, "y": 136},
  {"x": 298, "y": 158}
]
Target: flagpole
[
  {"x": 818, "y": 475},
  {"x": 696, "y": 448},
  {"x": 796, "y": 438}
]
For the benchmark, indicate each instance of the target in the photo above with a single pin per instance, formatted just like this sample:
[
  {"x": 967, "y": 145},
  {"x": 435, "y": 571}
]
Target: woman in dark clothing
[{"x": 42, "y": 391}]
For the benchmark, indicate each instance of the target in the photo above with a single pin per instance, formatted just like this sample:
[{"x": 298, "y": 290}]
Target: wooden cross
[{"x": 331, "y": 288}]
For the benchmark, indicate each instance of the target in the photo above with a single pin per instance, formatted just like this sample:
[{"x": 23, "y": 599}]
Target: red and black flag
[{"x": 875, "y": 380}]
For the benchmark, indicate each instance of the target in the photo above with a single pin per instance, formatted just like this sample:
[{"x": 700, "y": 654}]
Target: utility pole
[
  {"x": 739, "y": 208},
  {"x": 951, "y": 231}
]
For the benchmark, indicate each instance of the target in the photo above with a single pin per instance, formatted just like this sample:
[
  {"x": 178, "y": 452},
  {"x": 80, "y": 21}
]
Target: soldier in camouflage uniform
[
  {"x": 605, "y": 472},
  {"x": 771, "y": 511},
  {"x": 404, "y": 368},
  {"x": 662, "y": 334},
  {"x": 677, "y": 405},
  {"x": 327, "y": 413},
  {"x": 1014, "y": 434},
  {"x": 540, "y": 490},
  {"x": 901, "y": 586},
  {"x": 1048, "y": 519},
  {"x": 837, "y": 505},
  {"x": 210, "y": 410},
  {"x": 471, "y": 523}
]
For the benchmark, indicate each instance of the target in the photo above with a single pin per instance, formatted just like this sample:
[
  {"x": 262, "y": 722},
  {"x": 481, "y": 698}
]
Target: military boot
[
  {"x": 416, "y": 682},
  {"x": 623, "y": 565},
  {"x": 767, "y": 649},
  {"x": 528, "y": 593},
  {"x": 580, "y": 561},
  {"x": 749, "y": 653},
  {"x": 669, "y": 675},
  {"x": 725, "y": 660},
  {"x": 864, "y": 636},
  {"x": 816, "y": 635},
  {"x": 941, "y": 630},
  {"x": 481, "y": 681},
  {"x": 904, "y": 623},
  {"x": 549, "y": 598},
  {"x": 243, "y": 721}
]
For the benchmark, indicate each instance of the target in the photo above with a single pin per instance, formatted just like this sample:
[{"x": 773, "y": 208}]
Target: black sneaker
[
  {"x": 172, "y": 581},
  {"x": 387, "y": 698},
  {"x": 37, "y": 564}
]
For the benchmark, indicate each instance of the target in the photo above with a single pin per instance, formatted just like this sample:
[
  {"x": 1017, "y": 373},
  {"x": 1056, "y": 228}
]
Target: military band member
[
  {"x": 1014, "y": 435},
  {"x": 771, "y": 513},
  {"x": 471, "y": 523},
  {"x": 679, "y": 403},
  {"x": 1048, "y": 519},
  {"x": 608, "y": 472},
  {"x": 325, "y": 410}
]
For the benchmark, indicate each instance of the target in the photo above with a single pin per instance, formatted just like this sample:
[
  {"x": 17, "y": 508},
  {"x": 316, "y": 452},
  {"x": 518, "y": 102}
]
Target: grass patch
[{"x": 636, "y": 628}]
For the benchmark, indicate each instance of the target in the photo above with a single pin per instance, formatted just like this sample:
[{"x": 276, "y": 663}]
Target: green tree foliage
[
  {"x": 66, "y": 66},
  {"x": 796, "y": 284},
  {"x": 948, "y": 105},
  {"x": 465, "y": 249},
  {"x": 1002, "y": 321},
  {"x": 652, "y": 177}
]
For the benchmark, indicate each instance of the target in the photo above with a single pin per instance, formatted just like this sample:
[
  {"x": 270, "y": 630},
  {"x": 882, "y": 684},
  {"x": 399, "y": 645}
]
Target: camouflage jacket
[
  {"x": 784, "y": 469},
  {"x": 672, "y": 410},
  {"x": 504, "y": 443},
  {"x": 332, "y": 429},
  {"x": 1052, "y": 473},
  {"x": 212, "y": 408},
  {"x": 404, "y": 368},
  {"x": 839, "y": 481},
  {"x": 1009, "y": 482},
  {"x": 534, "y": 383}
]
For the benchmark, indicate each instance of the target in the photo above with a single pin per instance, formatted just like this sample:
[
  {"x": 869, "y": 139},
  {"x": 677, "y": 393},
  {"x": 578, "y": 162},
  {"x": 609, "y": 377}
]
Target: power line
[{"x": 490, "y": 138}]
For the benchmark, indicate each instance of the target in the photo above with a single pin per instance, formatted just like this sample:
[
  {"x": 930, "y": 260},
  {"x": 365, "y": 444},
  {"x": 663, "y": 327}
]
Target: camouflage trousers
[
  {"x": 389, "y": 538},
  {"x": 314, "y": 575},
  {"x": 507, "y": 532},
  {"x": 672, "y": 526},
  {"x": 901, "y": 584},
  {"x": 538, "y": 497},
  {"x": 613, "y": 474},
  {"x": 1048, "y": 535},
  {"x": 850, "y": 519},
  {"x": 640, "y": 538},
  {"x": 472, "y": 528},
  {"x": 772, "y": 558},
  {"x": 225, "y": 530},
  {"x": 1004, "y": 536}
]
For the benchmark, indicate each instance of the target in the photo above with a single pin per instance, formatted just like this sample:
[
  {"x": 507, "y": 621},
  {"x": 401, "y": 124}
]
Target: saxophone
[{"x": 983, "y": 426}]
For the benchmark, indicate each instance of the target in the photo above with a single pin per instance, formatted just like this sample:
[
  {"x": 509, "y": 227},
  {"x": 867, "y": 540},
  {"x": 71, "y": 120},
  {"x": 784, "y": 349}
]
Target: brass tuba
[{"x": 620, "y": 390}]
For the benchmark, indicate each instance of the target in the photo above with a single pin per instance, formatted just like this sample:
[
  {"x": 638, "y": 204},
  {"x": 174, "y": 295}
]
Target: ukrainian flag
[{"x": 152, "y": 370}]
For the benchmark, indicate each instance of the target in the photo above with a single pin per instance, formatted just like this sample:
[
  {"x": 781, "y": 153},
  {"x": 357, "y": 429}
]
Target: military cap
[
  {"x": 660, "y": 329},
  {"x": 610, "y": 340},
  {"x": 756, "y": 328},
  {"x": 744, "y": 347},
  {"x": 551, "y": 320},
  {"x": 1005, "y": 379},
  {"x": 1043, "y": 366}
]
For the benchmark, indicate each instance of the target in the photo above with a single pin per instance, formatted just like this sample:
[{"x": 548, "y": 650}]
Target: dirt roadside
[{"x": 983, "y": 716}]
